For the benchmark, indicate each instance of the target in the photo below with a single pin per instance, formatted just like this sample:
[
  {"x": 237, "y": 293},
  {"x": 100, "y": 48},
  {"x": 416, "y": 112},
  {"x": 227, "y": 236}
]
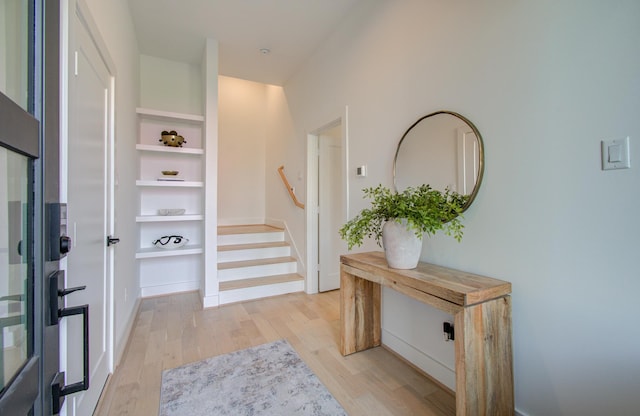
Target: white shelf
[
  {"x": 148, "y": 253},
  {"x": 168, "y": 218},
  {"x": 170, "y": 184},
  {"x": 159, "y": 267},
  {"x": 168, "y": 149},
  {"x": 169, "y": 115}
]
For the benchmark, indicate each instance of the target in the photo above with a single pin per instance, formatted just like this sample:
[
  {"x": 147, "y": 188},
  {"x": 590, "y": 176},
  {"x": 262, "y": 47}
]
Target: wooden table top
[{"x": 455, "y": 286}]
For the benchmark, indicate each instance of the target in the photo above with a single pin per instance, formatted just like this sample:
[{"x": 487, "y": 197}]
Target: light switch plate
[{"x": 615, "y": 154}]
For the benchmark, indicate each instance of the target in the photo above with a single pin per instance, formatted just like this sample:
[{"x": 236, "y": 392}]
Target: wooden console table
[{"x": 481, "y": 307}]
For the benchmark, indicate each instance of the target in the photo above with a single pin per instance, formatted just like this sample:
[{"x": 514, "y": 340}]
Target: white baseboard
[
  {"x": 210, "y": 301},
  {"x": 150, "y": 291},
  {"x": 424, "y": 362},
  {"x": 121, "y": 344},
  {"x": 420, "y": 359}
]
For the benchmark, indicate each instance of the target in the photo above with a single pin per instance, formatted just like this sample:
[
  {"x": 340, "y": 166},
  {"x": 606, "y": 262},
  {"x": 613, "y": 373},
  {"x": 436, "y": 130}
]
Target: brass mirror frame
[{"x": 476, "y": 187}]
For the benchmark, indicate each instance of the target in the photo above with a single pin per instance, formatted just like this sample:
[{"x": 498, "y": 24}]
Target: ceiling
[{"x": 290, "y": 29}]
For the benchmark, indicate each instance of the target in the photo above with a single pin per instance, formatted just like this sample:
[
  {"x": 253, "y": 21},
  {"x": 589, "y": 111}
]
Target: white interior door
[
  {"x": 330, "y": 208},
  {"x": 89, "y": 216}
]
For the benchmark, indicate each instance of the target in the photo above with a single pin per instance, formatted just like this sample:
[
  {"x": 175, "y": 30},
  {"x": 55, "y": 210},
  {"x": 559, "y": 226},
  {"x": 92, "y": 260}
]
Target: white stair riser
[
  {"x": 238, "y": 273},
  {"x": 232, "y": 239},
  {"x": 253, "y": 253},
  {"x": 249, "y": 293}
]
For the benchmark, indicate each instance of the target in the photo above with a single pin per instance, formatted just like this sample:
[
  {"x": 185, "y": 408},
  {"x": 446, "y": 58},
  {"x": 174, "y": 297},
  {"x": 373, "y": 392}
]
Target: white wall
[
  {"x": 544, "y": 82},
  {"x": 116, "y": 27},
  {"x": 170, "y": 86},
  {"x": 242, "y": 117},
  {"x": 284, "y": 148}
]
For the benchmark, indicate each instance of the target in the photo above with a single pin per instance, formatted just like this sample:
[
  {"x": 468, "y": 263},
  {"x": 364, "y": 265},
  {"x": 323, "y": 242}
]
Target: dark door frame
[{"x": 42, "y": 120}]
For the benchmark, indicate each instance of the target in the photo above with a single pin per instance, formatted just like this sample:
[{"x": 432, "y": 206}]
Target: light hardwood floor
[{"x": 173, "y": 330}]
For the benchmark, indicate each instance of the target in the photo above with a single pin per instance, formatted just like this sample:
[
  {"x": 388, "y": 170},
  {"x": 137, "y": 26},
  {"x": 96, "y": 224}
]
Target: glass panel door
[
  {"x": 16, "y": 313},
  {"x": 16, "y": 310},
  {"x": 19, "y": 157}
]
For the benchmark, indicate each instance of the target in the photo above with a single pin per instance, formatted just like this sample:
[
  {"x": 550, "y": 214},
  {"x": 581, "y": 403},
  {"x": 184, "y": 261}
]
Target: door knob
[
  {"x": 65, "y": 244},
  {"x": 112, "y": 240}
]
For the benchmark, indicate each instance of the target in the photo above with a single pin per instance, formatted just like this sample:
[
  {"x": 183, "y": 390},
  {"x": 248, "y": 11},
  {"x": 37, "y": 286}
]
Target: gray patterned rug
[{"x": 269, "y": 379}]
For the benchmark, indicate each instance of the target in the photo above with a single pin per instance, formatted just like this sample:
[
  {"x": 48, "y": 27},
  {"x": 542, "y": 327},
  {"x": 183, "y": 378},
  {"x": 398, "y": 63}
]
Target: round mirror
[{"x": 442, "y": 149}]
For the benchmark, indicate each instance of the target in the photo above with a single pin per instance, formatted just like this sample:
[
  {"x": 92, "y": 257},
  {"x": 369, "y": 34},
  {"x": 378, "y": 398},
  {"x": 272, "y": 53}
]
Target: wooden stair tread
[
  {"x": 258, "y": 262},
  {"x": 247, "y": 229},
  {"x": 232, "y": 247},
  {"x": 260, "y": 281}
]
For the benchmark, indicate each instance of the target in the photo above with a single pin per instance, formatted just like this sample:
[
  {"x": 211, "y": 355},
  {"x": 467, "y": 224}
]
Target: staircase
[{"x": 254, "y": 261}]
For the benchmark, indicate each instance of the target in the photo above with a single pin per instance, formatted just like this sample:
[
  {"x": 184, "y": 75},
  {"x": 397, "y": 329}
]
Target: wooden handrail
[{"x": 289, "y": 188}]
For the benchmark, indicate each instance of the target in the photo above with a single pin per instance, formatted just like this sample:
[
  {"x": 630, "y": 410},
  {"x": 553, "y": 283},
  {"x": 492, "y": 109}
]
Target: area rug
[{"x": 269, "y": 379}]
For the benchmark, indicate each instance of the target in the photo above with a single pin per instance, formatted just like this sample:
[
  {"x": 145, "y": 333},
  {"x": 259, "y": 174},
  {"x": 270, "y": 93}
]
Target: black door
[{"x": 29, "y": 166}]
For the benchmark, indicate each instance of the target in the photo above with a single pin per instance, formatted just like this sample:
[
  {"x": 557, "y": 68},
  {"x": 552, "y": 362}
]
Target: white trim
[
  {"x": 312, "y": 260},
  {"x": 170, "y": 114},
  {"x": 209, "y": 301},
  {"x": 311, "y": 277},
  {"x": 209, "y": 278},
  {"x": 424, "y": 362},
  {"x": 164, "y": 149},
  {"x": 151, "y": 291},
  {"x": 111, "y": 218},
  {"x": 128, "y": 329},
  {"x": 82, "y": 10}
]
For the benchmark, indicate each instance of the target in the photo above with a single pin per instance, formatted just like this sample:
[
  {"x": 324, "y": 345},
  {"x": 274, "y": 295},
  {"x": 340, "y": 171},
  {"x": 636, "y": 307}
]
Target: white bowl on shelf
[{"x": 171, "y": 211}]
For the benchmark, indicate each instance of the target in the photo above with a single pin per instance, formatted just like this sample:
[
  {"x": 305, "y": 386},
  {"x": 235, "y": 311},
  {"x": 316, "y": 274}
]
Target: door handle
[
  {"x": 112, "y": 240},
  {"x": 56, "y": 279},
  {"x": 67, "y": 291},
  {"x": 58, "y": 389}
]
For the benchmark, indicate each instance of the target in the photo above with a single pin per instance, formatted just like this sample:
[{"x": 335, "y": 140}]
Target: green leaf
[{"x": 427, "y": 211}]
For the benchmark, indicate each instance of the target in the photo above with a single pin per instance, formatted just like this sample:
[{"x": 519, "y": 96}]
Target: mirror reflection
[{"x": 444, "y": 150}]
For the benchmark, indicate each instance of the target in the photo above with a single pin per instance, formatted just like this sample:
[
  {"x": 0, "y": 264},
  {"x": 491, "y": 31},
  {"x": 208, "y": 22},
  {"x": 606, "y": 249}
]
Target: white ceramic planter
[{"x": 402, "y": 247}]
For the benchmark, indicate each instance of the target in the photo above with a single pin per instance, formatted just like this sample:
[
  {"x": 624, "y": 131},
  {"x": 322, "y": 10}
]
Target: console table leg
[
  {"x": 484, "y": 364},
  {"x": 359, "y": 314}
]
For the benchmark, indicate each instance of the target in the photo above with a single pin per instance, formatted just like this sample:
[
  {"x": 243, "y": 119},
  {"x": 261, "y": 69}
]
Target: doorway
[{"x": 327, "y": 190}]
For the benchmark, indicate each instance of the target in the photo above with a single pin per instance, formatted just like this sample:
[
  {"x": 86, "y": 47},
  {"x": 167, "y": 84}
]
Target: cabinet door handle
[{"x": 112, "y": 240}]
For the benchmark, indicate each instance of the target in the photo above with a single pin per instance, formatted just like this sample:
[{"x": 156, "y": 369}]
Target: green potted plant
[{"x": 400, "y": 219}]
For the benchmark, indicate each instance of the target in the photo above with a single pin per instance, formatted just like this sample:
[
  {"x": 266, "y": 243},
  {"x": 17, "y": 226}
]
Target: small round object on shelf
[
  {"x": 171, "y": 211},
  {"x": 170, "y": 172}
]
